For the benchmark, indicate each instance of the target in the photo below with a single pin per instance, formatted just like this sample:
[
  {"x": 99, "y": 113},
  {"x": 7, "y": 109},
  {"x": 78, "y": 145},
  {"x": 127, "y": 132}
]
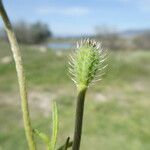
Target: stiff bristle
[{"x": 87, "y": 63}]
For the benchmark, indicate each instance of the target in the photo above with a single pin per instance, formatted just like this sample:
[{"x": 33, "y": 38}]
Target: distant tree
[
  {"x": 22, "y": 31},
  {"x": 40, "y": 32},
  {"x": 35, "y": 33},
  {"x": 110, "y": 38},
  {"x": 142, "y": 41}
]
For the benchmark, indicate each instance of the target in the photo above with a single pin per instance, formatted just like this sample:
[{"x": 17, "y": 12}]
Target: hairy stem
[
  {"x": 21, "y": 77},
  {"x": 78, "y": 119}
]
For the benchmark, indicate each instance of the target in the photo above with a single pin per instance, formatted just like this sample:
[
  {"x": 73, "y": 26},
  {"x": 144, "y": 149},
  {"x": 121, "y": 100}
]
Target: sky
[{"x": 81, "y": 17}]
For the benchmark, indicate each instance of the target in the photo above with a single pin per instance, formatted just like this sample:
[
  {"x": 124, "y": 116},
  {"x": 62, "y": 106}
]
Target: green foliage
[
  {"x": 50, "y": 142},
  {"x": 44, "y": 138}
]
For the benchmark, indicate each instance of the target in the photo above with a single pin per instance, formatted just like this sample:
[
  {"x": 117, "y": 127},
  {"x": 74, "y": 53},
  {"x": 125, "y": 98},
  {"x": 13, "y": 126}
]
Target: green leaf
[
  {"x": 54, "y": 125},
  {"x": 43, "y": 137}
]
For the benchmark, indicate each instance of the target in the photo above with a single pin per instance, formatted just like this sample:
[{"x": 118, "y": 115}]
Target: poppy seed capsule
[{"x": 87, "y": 63}]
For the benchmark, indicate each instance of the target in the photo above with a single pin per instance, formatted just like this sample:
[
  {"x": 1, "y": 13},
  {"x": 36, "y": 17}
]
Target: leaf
[
  {"x": 42, "y": 136},
  {"x": 66, "y": 145},
  {"x": 54, "y": 125}
]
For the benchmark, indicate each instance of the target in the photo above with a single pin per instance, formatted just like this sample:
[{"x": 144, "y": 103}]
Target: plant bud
[{"x": 87, "y": 63}]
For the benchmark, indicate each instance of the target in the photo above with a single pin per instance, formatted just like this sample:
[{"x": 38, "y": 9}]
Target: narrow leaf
[
  {"x": 66, "y": 145},
  {"x": 42, "y": 136},
  {"x": 54, "y": 125}
]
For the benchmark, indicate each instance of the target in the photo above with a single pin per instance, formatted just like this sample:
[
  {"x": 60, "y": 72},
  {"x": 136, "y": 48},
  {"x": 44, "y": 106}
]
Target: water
[{"x": 61, "y": 45}]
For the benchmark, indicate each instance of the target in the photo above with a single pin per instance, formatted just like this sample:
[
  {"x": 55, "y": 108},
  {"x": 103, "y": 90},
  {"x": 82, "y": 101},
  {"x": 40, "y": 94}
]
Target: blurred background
[{"x": 117, "y": 114}]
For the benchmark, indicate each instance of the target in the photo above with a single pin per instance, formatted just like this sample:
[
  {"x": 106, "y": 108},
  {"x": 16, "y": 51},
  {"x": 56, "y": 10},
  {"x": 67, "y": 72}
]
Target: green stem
[
  {"x": 48, "y": 147},
  {"x": 21, "y": 78},
  {"x": 79, "y": 119}
]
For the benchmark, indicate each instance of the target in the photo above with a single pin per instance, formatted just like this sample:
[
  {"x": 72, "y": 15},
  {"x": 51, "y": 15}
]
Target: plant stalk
[
  {"x": 79, "y": 119},
  {"x": 21, "y": 77}
]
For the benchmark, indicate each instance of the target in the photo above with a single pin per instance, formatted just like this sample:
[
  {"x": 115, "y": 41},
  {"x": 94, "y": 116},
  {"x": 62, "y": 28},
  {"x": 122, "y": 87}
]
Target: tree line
[
  {"x": 114, "y": 40},
  {"x": 34, "y": 33}
]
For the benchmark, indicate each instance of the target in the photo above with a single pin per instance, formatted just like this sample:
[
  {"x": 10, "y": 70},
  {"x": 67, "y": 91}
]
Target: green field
[{"x": 117, "y": 109}]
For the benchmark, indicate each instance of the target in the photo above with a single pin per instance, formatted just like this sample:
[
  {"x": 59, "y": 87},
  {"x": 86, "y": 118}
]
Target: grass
[{"x": 116, "y": 112}]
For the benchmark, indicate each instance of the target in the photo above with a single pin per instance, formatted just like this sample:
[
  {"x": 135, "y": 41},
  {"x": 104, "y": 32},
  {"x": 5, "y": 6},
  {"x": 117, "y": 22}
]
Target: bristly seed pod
[{"x": 87, "y": 63}]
